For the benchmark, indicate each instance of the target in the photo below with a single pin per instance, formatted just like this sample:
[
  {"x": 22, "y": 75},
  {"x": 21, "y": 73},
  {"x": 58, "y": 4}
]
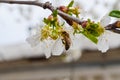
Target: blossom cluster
[{"x": 56, "y": 38}]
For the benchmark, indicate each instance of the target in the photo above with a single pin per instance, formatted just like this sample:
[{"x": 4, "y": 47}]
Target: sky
[{"x": 15, "y": 20}]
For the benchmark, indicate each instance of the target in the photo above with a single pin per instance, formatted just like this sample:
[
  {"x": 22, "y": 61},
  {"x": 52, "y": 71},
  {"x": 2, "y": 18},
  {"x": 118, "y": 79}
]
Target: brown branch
[
  {"x": 112, "y": 27},
  {"x": 115, "y": 27},
  {"x": 46, "y": 5}
]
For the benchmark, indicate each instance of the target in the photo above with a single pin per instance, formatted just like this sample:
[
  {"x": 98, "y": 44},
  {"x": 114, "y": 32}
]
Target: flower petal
[
  {"x": 58, "y": 47},
  {"x": 47, "y": 48},
  {"x": 103, "y": 44},
  {"x": 105, "y": 20},
  {"x": 75, "y": 39},
  {"x": 33, "y": 40},
  {"x": 47, "y": 52}
]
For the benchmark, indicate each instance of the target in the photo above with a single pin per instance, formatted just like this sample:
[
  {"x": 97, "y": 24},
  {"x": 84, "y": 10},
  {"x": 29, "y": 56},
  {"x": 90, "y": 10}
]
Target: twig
[
  {"x": 114, "y": 27},
  {"x": 47, "y": 5}
]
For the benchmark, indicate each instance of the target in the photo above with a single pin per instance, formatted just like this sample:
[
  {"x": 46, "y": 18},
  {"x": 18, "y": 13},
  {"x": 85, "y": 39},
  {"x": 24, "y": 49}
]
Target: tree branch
[
  {"x": 112, "y": 27},
  {"x": 115, "y": 27},
  {"x": 46, "y": 5}
]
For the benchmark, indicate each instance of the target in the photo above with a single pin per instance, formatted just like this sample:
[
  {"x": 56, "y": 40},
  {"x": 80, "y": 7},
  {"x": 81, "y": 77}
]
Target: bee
[
  {"x": 117, "y": 24},
  {"x": 66, "y": 40}
]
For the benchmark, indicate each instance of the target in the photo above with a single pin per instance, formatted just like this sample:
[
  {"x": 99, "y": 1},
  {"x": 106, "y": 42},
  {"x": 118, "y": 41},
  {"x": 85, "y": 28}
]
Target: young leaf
[
  {"x": 115, "y": 13},
  {"x": 70, "y": 4},
  {"x": 45, "y": 21},
  {"x": 55, "y": 13},
  {"x": 91, "y": 37}
]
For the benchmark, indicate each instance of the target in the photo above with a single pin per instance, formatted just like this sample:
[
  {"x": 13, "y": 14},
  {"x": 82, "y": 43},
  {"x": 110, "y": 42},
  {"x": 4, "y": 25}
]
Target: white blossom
[
  {"x": 103, "y": 45},
  {"x": 75, "y": 51},
  {"x": 105, "y": 20},
  {"x": 34, "y": 39},
  {"x": 49, "y": 47},
  {"x": 58, "y": 47}
]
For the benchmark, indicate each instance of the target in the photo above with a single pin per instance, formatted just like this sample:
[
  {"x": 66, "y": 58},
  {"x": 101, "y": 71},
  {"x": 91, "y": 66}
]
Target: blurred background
[{"x": 20, "y": 61}]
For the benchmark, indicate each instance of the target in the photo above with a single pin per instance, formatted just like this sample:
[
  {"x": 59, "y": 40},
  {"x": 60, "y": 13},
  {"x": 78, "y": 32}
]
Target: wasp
[{"x": 66, "y": 40}]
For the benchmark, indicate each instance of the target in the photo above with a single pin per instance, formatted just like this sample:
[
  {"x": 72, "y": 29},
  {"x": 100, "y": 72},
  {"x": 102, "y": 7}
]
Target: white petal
[
  {"x": 33, "y": 40},
  {"x": 105, "y": 20},
  {"x": 75, "y": 39},
  {"x": 47, "y": 52},
  {"x": 103, "y": 45},
  {"x": 58, "y": 47},
  {"x": 47, "y": 48}
]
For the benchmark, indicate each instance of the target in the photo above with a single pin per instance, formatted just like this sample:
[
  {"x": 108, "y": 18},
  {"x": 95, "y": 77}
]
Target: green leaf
[
  {"x": 55, "y": 13},
  {"x": 46, "y": 21},
  {"x": 115, "y": 13},
  {"x": 70, "y": 4},
  {"x": 95, "y": 26},
  {"x": 91, "y": 37},
  {"x": 95, "y": 33}
]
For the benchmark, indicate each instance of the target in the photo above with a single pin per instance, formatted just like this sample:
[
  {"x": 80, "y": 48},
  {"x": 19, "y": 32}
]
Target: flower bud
[
  {"x": 50, "y": 17},
  {"x": 63, "y": 8},
  {"x": 84, "y": 24}
]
